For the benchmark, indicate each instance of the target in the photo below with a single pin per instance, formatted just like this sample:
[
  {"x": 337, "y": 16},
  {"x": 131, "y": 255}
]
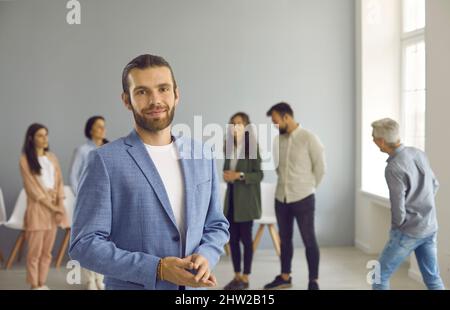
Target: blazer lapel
[{"x": 141, "y": 157}]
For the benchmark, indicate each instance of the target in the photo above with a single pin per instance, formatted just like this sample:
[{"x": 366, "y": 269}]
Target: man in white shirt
[
  {"x": 301, "y": 167},
  {"x": 148, "y": 213}
]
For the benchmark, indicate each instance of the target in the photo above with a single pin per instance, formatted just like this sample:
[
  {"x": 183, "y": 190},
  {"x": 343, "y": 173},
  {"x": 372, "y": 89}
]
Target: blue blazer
[{"x": 124, "y": 224}]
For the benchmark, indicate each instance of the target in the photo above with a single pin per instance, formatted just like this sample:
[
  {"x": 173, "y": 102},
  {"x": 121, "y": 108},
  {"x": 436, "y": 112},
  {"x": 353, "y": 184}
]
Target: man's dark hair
[
  {"x": 143, "y": 62},
  {"x": 281, "y": 108}
]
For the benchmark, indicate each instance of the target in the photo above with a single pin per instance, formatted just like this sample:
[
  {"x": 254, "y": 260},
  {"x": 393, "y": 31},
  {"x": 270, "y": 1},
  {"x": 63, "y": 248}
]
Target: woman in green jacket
[{"x": 243, "y": 174}]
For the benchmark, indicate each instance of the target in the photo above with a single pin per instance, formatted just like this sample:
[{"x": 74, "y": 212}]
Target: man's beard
[
  {"x": 155, "y": 124},
  {"x": 282, "y": 130}
]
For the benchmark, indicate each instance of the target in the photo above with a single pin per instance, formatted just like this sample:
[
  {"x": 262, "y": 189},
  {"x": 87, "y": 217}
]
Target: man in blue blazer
[{"x": 148, "y": 213}]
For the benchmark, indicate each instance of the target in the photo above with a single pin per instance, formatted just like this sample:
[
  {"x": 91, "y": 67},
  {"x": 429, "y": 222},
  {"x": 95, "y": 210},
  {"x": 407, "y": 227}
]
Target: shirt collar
[
  {"x": 91, "y": 143},
  {"x": 397, "y": 151},
  {"x": 294, "y": 132}
]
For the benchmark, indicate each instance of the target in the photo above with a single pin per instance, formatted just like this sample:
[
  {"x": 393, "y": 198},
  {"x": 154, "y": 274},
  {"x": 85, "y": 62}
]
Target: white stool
[
  {"x": 2, "y": 209},
  {"x": 16, "y": 222},
  {"x": 2, "y": 218},
  {"x": 268, "y": 217}
]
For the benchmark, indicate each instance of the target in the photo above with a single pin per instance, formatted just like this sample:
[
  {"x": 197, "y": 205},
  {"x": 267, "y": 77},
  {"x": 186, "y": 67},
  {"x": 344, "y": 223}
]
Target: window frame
[{"x": 408, "y": 39}]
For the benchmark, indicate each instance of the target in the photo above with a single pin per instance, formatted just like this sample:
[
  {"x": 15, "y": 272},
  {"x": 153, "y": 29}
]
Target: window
[
  {"x": 392, "y": 79},
  {"x": 413, "y": 15},
  {"x": 413, "y": 77}
]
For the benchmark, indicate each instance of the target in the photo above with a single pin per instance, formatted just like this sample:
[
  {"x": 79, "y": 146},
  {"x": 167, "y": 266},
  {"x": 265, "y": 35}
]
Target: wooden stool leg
[
  {"x": 63, "y": 248},
  {"x": 16, "y": 248},
  {"x": 275, "y": 238},
  {"x": 227, "y": 249},
  {"x": 20, "y": 252},
  {"x": 258, "y": 236}
]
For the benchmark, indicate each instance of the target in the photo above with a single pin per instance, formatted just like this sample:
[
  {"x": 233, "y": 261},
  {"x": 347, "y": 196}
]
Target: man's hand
[
  {"x": 201, "y": 265},
  {"x": 175, "y": 270}
]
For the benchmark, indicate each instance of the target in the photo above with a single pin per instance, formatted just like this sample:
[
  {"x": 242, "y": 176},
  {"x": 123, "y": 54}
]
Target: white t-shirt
[
  {"x": 47, "y": 172},
  {"x": 167, "y": 163}
]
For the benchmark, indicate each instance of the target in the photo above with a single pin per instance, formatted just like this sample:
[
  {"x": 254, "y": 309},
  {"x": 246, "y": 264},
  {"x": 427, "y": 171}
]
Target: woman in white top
[
  {"x": 45, "y": 211},
  {"x": 95, "y": 132}
]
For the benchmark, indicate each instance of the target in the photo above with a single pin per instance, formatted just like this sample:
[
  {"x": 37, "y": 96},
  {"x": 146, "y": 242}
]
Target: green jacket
[{"x": 247, "y": 193}]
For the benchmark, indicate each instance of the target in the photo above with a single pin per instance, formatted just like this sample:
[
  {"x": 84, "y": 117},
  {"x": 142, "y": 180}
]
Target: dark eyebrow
[{"x": 141, "y": 87}]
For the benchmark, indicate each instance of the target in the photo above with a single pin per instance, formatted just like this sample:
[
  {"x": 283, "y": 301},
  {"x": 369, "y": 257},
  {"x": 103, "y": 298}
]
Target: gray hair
[{"x": 388, "y": 130}]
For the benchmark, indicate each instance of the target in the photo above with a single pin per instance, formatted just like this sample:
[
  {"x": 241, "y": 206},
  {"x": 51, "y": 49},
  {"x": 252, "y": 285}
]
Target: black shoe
[
  {"x": 313, "y": 286},
  {"x": 278, "y": 283},
  {"x": 236, "y": 285}
]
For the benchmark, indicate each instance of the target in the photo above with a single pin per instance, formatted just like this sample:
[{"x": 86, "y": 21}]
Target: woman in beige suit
[{"x": 43, "y": 183}]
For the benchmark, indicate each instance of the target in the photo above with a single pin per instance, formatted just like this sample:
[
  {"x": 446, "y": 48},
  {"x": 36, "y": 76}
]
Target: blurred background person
[
  {"x": 301, "y": 168},
  {"x": 412, "y": 190},
  {"x": 43, "y": 183},
  {"x": 243, "y": 175},
  {"x": 95, "y": 133}
]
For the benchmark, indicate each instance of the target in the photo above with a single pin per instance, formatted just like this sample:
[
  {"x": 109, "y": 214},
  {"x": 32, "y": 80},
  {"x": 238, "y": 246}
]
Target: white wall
[{"x": 438, "y": 112}]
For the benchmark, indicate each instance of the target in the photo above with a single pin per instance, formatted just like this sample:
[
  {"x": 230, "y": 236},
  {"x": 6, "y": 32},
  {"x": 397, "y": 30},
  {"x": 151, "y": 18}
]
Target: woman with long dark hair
[
  {"x": 43, "y": 183},
  {"x": 243, "y": 174},
  {"x": 95, "y": 132}
]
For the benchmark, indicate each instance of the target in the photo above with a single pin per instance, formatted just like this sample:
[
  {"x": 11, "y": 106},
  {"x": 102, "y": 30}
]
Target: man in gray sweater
[{"x": 412, "y": 188}]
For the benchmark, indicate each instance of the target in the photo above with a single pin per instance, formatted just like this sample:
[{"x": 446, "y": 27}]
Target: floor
[{"x": 341, "y": 268}]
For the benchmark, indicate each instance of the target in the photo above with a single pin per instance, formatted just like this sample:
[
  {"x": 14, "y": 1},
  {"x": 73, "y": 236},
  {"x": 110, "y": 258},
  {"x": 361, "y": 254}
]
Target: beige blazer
[{"x": 38, "y": 216}]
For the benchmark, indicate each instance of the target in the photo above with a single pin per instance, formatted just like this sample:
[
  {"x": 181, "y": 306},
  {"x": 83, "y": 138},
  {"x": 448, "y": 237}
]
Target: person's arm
[
  {"x": 60, "y": 195},
  {"x": 61, "y": 215},
  {"x": 76, "y": 169},
  {"x": 317, "y": 155},
  {"x": 90, "y": 241},
  {"x": 31, "y": 186},
  {"x": 435, "y": 185},
  {"x": 215, "y": 230},
  {"x": 276, "y": 153},
  {"x": 256, "y": 175},
  {"x": 397, "y": 196}
]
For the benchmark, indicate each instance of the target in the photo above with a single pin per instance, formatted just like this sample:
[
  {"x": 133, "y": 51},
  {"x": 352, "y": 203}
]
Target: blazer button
[{"x": 176, "y": 238}]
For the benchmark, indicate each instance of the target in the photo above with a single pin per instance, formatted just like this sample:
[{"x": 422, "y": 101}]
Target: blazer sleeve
[
  {"x": 30, "y": 184},
  {"x": 90, "y": 240},
  {"x": 256, "y": 175},
  {"x": 215, "y": 231}
]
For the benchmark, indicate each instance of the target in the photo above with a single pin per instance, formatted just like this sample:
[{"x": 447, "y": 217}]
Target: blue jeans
[{"x": 398, "y": 248}]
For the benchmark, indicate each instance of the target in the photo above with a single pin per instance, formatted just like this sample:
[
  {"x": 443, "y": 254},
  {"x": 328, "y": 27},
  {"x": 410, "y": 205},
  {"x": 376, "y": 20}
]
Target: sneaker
[
  {"x": 278, "y": 283},
  {"x": 92, "y": 286},
  {"x": 41, "y": 288},
  {"x": 236, "y": 285},
  {"x": 313, "y": 286},
  {"x": 100, "y": 285}
]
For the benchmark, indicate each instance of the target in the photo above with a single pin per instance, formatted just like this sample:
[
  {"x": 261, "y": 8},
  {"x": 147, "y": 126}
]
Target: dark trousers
[
  {"x": 303, "y": 212},
  {"x": 239, "y": 232}
]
